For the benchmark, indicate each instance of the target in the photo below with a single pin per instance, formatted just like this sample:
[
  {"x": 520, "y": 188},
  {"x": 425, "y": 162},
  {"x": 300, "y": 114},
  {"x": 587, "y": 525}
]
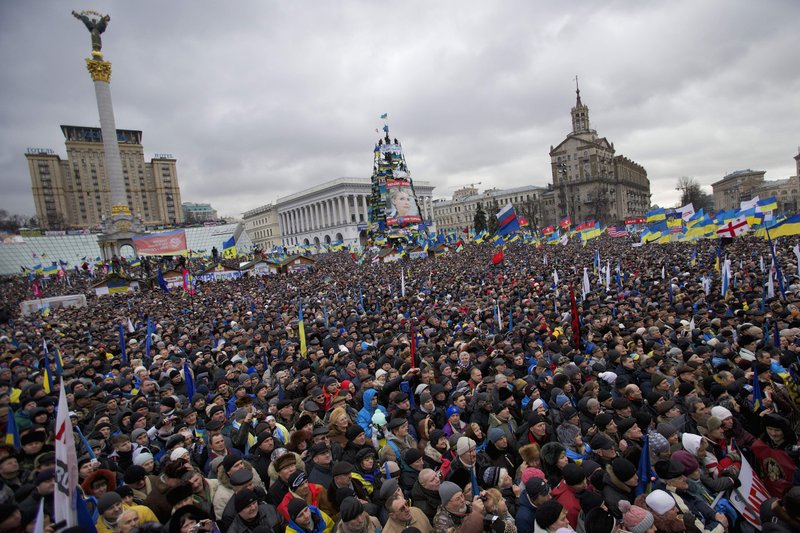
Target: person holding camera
[{"x": 455, "y": 514}]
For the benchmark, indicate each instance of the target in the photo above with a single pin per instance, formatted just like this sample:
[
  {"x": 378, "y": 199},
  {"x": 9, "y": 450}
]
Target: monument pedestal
[{"x": 119, "y": 230}]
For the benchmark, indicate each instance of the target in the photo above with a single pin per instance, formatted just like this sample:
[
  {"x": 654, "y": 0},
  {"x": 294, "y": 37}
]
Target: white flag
[
  {"x": 796, "y": 251},
  {"x": 608, "y": 275},
  {"x": 555, "y": 277},
  {"x": 402, "y": 282},
  {"x": 770, "y": 282},
  {"x": 761, "y": 262},
  {"x": 131, "y": 329},
  {"x": 545, "y": 259},
  {"x": 663, "y": 272},
  {"x": 686, "y": 211},
  {"x": 66, "y": 464},
  {"x": 39, "y": 525},
  {"x": 748, "y": 204},
  {"x": 587, "y": 288}
]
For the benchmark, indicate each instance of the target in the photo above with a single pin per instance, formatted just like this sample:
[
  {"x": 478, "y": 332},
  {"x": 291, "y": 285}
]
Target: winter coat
[
  {"x": 565, "y": 495},
  {"x": 426, "y": 500},
  {"x": 364, "y": 418},
  {"x": 614, "y": 491},
  {"x": 525, "y": 518},
  {"x": 267, "y": 517}
]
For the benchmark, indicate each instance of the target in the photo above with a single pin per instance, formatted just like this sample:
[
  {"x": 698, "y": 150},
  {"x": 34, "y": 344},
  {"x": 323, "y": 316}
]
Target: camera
[{"x": 492, "y": 523}]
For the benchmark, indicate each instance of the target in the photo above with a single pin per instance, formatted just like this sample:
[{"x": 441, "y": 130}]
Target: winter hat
[
  {"x": 689, "y": 461},
  {"x": 624, "y": 425},
  {"x": 136, "y": 433},
  {"x": 623, "y": 469},
  {"x": 350, "y": 509},
  {"x": 573, "y": 474},
  {"x": 491, "y": 476},
  {"x": 177, "y": 453},
  {"x": 590, "y": 499},
  {"x": 667, "y": 470},
  {"x": 551, "y": 452},
  {"x": 531, "y": 472},
  {"x": 602, "y": 420},
  {"x": 296, "y": 506},
  {"x": 637, "y": 520},
  {"x": 658, "y": 444},
  {"x": 712, "y": 423},
  {"x": 177, "y": 494},
  {"x": 447, "y": 490},
  {"x": 244, "y": 498},
  {"x": 464, "y": 444},
  {"x": 721, "y": 412},
  {"x": 341, "y": 468},
  {"x": 107, "y": 500},
  {"x": 691, "y": 442},
  {"x": 601, "y": 442},
  {"x": 608, "y": 377},
  {"x": 354, "y": 431},
  {"x": 495, "y": 434},
  {"x": 660, "y": 502},
  {"x": 296, "y": 479},
  {"x": 241, "y": 477},
  {"x": 547, "y": 514},
  {"x": 388, "y": 487},
  {"x": 285, "y": 460},
  {"x": 567, "y": 433},
  {"x": 536, "y": 486},
  {"x": 412, "y": 455},
  {"x": 598, "y": 520},
  {"x": 134, "y": 474},
  {"x": 453, "y": 410},
  {"x": 142, "y": 458},
  {"x": 666, "y": 429}
]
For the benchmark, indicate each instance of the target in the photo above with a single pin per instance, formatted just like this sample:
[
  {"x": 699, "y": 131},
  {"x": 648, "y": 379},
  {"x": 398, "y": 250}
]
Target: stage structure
[{"x": 394, "y": 212}]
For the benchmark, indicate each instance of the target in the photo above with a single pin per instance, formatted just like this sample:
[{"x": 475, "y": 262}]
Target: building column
[
  {"x": 304, "y": 217},
  {"x": 364, "y": 205},
  {"x": 314, "y": 221},
  {"x": 338, "y": 206},
  {"x": 326, "y": 213},
  {"x": 318, "y": 216},
  {"x": 347, "y": 209}
]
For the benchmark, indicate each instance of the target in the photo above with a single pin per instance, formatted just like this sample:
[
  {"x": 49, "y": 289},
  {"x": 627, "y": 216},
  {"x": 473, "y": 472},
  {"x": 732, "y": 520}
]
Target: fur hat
[
  {"x": 529, "y": 453},
  {"x": 551, "y": 452},
  {"x": 284, "y": 461}
]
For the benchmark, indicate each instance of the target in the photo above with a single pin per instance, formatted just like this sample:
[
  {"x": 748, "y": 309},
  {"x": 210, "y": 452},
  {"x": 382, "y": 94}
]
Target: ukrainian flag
[
  {"x": 301, "y": 331},
  {"x": 12, "y": 431},
  {"x": 656, "y": 215},
  {"x": 790, "y": 226},
  {"x": 766, "y": 205},
  {"x": 229, "y": 248}
]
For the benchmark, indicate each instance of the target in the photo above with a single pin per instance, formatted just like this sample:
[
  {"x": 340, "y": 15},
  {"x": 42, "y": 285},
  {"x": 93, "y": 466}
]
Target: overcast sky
[{"x": 258, "y": 100}]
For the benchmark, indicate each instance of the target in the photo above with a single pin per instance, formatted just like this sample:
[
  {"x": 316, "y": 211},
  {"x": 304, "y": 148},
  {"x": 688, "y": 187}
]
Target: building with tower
[
  {"x": 590, "y": 180},
  {"x": 76, "y": 192}
]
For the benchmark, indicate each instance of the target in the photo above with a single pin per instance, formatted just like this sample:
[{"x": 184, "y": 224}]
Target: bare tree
[{"x": 692, "y": 193}]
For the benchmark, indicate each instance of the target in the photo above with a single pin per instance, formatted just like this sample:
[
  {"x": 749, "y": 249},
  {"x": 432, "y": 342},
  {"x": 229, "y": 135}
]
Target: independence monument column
[{"x": 122, "y": 225}]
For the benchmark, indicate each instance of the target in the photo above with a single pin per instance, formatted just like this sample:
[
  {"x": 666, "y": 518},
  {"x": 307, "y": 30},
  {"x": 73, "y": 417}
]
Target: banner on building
[{"x": 164, "y": 243}]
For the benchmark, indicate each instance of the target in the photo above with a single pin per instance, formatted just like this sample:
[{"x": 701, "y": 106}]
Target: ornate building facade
[
  {"x": 742, "y": 185},
  {"x": 76, "y": 193},
  {"x": 590, "y": 180}
]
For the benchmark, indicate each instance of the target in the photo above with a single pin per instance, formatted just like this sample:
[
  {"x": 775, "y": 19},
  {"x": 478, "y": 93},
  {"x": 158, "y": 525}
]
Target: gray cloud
[{"x": 260, "y": 99}]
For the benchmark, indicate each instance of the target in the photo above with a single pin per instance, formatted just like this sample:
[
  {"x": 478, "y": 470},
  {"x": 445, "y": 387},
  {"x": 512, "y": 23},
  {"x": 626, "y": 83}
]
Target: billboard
[
  {"x": 401, "y": 202},
  {"x": 164, "y": 243}
]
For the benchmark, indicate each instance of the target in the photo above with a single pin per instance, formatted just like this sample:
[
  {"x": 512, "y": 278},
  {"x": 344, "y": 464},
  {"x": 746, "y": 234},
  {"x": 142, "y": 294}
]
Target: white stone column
[
  {"x": 337, "y": 204},
  {"x": 364, "y": 206},
  {"x": 326, "y": 214},
  {"x": 114, "y": 175},
  {"x": 347, "y": 208},
  {"x": 317, "y": 215}
]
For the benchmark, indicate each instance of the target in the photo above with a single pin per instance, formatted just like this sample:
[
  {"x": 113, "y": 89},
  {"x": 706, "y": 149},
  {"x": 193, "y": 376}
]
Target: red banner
[
  {"x": 165, "y": 243},
  {"x": 548, "y": 230},
  {"x": 638, "y": 220}
]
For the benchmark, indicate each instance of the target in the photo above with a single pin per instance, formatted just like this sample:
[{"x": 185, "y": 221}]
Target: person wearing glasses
[{"x": 403, "y": 516}]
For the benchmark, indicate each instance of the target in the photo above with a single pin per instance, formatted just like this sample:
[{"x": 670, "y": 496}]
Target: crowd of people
[{"x": 447, "y": 394}]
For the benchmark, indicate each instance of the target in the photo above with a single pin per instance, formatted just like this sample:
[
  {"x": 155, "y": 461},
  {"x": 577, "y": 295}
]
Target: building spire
[
  {"x": 580, "y": 113},
  {"x": 578, "y": 92}
]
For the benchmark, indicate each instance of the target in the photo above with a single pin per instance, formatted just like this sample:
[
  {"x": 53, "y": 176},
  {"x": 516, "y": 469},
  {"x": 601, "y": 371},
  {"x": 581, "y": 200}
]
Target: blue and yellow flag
[
  {"x": 12, "y": 432},
  {"x": 301, "y": 329},
  {"x": 229, "y": 248},
  {"x": 758, "y": 397}
]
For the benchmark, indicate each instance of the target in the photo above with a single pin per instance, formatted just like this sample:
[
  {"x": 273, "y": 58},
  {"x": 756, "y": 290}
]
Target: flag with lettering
[{"x": 748, "y": 498}]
